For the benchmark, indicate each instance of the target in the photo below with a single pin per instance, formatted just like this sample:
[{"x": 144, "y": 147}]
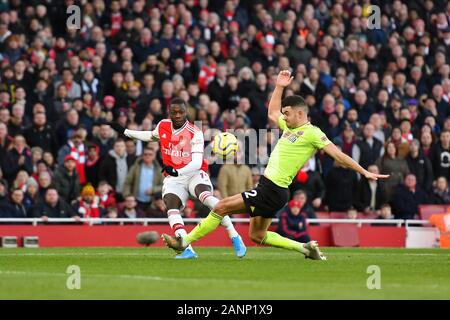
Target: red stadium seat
[
  {"x": 372, "y": 215},
  {"x": 240, "y": 215},
  {"x": 426, "y": 210},
  {"x": 323, "y": 215},
  {"x": 338, "y": 215},
  {"x": 345, "y": 235}
]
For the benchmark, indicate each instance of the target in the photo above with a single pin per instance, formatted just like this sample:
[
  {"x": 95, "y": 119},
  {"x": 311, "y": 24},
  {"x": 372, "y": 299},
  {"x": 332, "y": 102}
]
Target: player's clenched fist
[
  {"x": 284, "y": 78},
  {"x": 170, "y": 171}
]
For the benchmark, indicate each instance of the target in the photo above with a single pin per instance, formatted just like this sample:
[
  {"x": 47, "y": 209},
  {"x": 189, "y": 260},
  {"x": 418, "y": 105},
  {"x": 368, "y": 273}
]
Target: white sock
[
  {"x": 226, "y": 222},
  {"x": 177, "y": 224},
  {"x": 210, "y": 201}
]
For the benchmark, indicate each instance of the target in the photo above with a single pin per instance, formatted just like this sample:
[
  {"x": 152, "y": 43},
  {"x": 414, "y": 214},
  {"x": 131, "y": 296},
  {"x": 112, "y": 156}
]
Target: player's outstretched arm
[
  {"x": 134, "y": 134},
  {"x": 283, "y": 80},
  {"x": 348, "y": 162}
]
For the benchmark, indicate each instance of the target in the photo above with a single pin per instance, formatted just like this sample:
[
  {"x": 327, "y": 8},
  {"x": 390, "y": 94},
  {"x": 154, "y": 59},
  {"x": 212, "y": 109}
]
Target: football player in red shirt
[{"x": 182, "y": 146}]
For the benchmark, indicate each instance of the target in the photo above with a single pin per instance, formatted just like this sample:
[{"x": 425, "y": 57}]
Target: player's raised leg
[
  {"x": 260, "y": 234},
  {"x": 173, "y": 203},
  {"x": 204, "y": 194},
  {"x": 227, "y": 206}
]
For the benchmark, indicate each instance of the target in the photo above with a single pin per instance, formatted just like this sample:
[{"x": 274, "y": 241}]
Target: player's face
[
  {"x": 177, "y": 114},
  {"x": 292, "y": 116}
]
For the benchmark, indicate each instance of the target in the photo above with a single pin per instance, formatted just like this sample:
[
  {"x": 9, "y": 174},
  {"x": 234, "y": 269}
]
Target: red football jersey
[{"x": 178, "y": 145}]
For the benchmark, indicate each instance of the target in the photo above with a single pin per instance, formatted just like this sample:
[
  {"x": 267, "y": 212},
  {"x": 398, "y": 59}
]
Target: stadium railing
[{"x": 147, "y": 221}]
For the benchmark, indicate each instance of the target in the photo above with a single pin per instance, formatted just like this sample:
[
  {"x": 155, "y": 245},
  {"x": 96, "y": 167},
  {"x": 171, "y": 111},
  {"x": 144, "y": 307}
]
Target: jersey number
[{"x": 250, "y": 194}]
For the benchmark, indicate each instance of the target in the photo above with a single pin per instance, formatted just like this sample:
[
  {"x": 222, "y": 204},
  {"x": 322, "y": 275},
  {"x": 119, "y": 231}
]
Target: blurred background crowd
[{"x": 382, "y": 95}]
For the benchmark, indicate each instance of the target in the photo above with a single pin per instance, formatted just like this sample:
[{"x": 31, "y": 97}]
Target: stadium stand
[{"x": 366, "y": 88}]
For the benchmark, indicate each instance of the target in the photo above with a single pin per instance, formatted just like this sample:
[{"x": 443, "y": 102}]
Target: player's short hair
[
  {"x": 294, "y": 102},
  {"x": 178, "y": 102}
]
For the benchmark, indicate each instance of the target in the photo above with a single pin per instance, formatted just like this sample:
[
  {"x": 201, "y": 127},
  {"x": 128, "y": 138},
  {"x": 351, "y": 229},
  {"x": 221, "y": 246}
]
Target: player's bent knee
[
  {"x": 220, "y": 208},
  {"x": 257, "y": 237}
]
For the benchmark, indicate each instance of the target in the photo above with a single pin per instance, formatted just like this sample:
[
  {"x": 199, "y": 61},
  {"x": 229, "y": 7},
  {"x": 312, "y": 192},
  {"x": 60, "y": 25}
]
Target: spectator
[
  {"x": 293, "y": 223},
  {"x": 391, "y": 164},
  {"x": 49, "y": 160},
  {"x": 380, "y": 132},
  {"x": 367, "y": 150},
  {"x": 21, "y": 180},
  {"x": 93, "y": 162},
  {"x": 5, "y": 142},
  {"x": 67, "y": 126},
  {"x": 53, "y": 207},
  {"x": 299, "y": 54},
  {"x": 258, "y": 99},
  {"x": 400, "y": 142},
  {"x": 302, "y": 197},
  {"x": 31, "y": 197},
  {"x": 385, "y": 213},
  {"x": 346, "y": 140},
  {"x": 311, "y": 182},
  {"x": 408, "y": 196},
  {"x": 441, "y": 192},
  {"x": 341, "y": 184},
  {"x": 364, "y": 107},
  {"x": 36, "y": 158},
  {"x": 104, "y": 140},
  {"x": 234, "y": 177},
  {"x": 352, "y": 213},
  {"x": 41, "y": 134},
  {"x": 66, "y": 180},
  {"x": 111, "y": 213},
  {"x": 131, "y": 149},
  {"x": 371, "y": 194},
  {"x": 420, "y": 166},
  {"x": 426, "y": 141},
  {"x": 131, "y": 209},
  {"x": 16, "y": 207},
  {"x": 17, "y": 158},
  {"x": 144, "y": 179},
  {"x": 88, "y": 206},
  {"x": 73, "y": 88},
  {"x": 18, "y": 120},
  {"x": 218, "y": 87},
  {"x": 114, "y": 169},
  {"x": 44, "y": 182},
  {"x": 106, "y": 195},
  {"x": 76, "y": 149},
  {"x": 440, "y": 155},
  {"x": 157, "y": 208}
]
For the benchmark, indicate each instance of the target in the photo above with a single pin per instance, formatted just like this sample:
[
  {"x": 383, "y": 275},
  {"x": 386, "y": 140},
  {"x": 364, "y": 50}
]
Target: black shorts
[{"x": 266, "y": 199}]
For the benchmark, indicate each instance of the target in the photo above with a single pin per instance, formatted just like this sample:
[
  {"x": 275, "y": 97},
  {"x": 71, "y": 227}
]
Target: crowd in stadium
[{"x": 382, "y": 95}]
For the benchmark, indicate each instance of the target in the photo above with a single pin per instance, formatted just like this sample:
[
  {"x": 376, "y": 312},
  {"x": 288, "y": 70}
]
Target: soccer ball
[
  {"x": 147, "y": 238},
  {"x": 225, "y": 144}
]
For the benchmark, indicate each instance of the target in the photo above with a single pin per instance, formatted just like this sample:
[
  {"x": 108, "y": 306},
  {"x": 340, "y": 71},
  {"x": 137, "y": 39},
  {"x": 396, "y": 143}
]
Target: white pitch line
[{"x": 126, "y": 276}]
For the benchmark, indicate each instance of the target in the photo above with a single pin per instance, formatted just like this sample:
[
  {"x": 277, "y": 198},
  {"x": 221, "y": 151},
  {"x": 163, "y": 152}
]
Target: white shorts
[{"x": 183, "y": 186}]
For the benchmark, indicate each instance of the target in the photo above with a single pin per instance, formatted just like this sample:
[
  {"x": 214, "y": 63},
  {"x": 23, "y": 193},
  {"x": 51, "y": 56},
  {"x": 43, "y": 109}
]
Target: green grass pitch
[{"x": 265, "y": 273}]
